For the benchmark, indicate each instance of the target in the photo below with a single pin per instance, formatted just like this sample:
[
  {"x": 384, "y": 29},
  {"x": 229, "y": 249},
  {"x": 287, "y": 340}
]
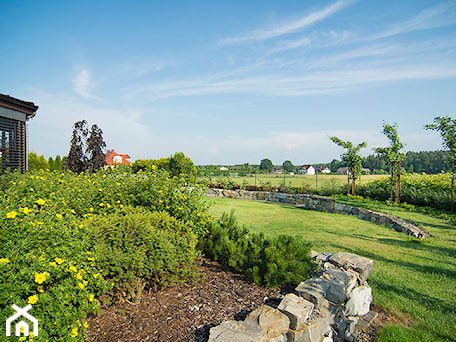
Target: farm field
[
  {"x": 414, "y": 279},
  {"x": 313, "y": 182}
]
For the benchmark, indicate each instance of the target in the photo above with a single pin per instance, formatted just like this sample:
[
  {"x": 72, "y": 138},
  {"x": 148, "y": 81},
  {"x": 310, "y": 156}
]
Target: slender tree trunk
[
  {"x": 392, "y": 178},
  {"x": 348, "y": 181},
  {"x": 452, "y": 186},
  {"x": 354, "y": 184},
  {"x": 398, "y": 182}
]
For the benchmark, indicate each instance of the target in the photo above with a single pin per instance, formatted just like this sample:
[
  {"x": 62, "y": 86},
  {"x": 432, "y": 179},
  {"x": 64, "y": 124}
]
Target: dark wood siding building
[{"x": 14, "y": 114}]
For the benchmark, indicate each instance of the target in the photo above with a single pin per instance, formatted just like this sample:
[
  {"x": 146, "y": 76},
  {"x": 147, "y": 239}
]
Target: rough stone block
[
  {"x": 361, "y": 265},
  {"x": 297, "y": 309},
  {"x": 237, "y": 331},
  {"x": 272, "y": 321},
  {"x": 314, "y": 290},
  {"x": 359, "y": 301},
  {"x": 342, "y": 283}
]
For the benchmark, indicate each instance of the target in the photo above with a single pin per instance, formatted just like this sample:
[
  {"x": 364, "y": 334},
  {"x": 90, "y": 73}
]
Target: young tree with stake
[
  {"x": 394, "y": 156},
  {"x": 447, "y": 128},
  {"x": 352, "y": 158}
]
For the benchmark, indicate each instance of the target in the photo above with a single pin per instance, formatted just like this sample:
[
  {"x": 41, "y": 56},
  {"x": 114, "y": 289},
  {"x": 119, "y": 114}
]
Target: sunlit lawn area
[
  {"x": 412, "y": 277},
  {"x": 312, "y": 181}
]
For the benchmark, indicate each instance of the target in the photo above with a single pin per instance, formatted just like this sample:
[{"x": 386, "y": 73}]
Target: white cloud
[
  {"x": 83, "y": 83},
  {"x": 286, "y": 28}
]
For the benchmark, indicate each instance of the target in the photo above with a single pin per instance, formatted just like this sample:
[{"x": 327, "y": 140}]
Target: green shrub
[
  {"x": 137, "y": 249},
  {"x": 43, "y": 218},
  {"x": 269, "y": 261}
]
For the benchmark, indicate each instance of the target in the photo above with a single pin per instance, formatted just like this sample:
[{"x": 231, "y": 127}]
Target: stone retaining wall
[
  {"x": 333, "y": 306},
  {"x": 325, "y": 204}
]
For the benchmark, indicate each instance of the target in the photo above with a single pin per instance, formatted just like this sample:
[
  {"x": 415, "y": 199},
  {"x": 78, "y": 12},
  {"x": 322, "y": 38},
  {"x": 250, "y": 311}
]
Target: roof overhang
[{"x": 28, "y": 108}]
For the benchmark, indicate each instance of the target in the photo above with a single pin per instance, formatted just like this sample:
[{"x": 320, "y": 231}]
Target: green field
[
  {"x": 313, "y": 182},
  {"x": 410, "y": 277}
]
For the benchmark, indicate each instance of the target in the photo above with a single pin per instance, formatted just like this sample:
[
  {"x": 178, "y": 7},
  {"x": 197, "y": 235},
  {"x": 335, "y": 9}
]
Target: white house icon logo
[{"x": 22, "y": 312}]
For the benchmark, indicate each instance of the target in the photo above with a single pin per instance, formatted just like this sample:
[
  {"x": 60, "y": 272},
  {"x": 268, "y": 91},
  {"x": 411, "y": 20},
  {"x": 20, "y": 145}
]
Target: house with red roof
[{"x": 113, "y": 158}]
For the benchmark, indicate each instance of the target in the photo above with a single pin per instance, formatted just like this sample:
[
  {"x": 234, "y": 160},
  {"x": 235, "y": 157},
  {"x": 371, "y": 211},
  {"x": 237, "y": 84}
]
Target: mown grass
[{"x": 410, "y": 278}]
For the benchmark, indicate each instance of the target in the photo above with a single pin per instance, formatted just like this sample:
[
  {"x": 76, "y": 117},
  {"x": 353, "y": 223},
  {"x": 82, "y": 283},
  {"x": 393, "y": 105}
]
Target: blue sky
[{"x": 231, "y": 82}]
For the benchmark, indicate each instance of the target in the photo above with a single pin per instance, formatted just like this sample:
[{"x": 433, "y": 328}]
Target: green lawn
[{"x": 412, "y": 277}]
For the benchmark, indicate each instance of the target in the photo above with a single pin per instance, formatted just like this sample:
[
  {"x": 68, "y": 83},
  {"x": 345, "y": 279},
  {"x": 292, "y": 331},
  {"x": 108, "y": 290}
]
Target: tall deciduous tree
[
  {"x": 77, "y": 159},
  {"x": 352, "y": 158},
  {"x": 266, "y": 164},
  {"x": 94, "y": 150},
  {"x": 394, "y": 155},
  {"x": 288, "y": 165},
  {"x": 447, "y": 128}
]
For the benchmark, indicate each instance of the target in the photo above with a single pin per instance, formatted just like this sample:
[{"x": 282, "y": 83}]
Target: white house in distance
[{"x": 306, "y": 170}]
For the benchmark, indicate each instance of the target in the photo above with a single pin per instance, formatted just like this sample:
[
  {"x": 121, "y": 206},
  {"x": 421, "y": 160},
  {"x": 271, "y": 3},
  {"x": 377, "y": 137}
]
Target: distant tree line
[{"x": 36, "y": 162}]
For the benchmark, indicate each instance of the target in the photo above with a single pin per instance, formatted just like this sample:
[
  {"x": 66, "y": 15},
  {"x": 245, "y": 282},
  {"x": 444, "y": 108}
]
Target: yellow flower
[
  {"x": 85, "y": 282},
  {"x": 81, "y": 285},
  {"x": 96, "y": 275},
  {"x": 40, "y": 202},
  {"x": 23, "y": 338},
  {"x": 4, "y": 260},
  {"x": 40, "y": 289},
  {"x": 101, "y": 204},
  {"x": 73, "y": 269},
  {"x": 91, "y": 259},
  {"x": 74, "y": 332},
  {"x": 59, "y": 216},
  {"x": 32, "y": 299},
  {"x": 91, "y": 209},
  {"x": 86, "y": 325},
  {"x": 52, "y": 263},
  {"x": 79, "y": 276},
  {"x": 91, "y": 297},
  {"x": 25, "y": 210},
  {"x": 40, "y": 278},
  {"x": 72, "y": 211},
  {"x": 11, "y": 214},
  {"x": 59, "y": 261}
]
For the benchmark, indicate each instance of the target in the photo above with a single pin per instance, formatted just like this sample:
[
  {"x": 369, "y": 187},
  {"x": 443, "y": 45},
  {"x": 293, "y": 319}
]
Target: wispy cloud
[
  {"x": 308, "y": 83},
  {"x": 438, "y": 16},
  {"x": 286, "y": 28},
  {"x": 82, "y": 83},
  {"x": 289, "y": 45}
]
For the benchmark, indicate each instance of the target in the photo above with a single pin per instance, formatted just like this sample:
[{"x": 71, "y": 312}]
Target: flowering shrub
[{"x": 48, "y": 257}]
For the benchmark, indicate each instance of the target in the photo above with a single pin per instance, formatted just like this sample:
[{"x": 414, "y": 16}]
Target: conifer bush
[
  {"x": 138, "y": 249},
  {"x": 269, "y": 261}
]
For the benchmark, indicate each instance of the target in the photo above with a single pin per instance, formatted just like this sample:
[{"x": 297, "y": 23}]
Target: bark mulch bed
[{"x": 186, "y": 312}]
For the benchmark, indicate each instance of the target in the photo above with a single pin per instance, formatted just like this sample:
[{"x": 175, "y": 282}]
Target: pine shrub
[{"x": 268, "y": 261}]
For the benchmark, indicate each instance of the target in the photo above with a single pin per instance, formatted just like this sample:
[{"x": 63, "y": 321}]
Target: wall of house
[{"x": 325, "y": 204}]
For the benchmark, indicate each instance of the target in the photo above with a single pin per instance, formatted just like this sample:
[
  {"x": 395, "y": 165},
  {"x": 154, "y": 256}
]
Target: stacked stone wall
[
  {"x": 324, "y": 204},
  {"x": 333, "y": 306}
]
